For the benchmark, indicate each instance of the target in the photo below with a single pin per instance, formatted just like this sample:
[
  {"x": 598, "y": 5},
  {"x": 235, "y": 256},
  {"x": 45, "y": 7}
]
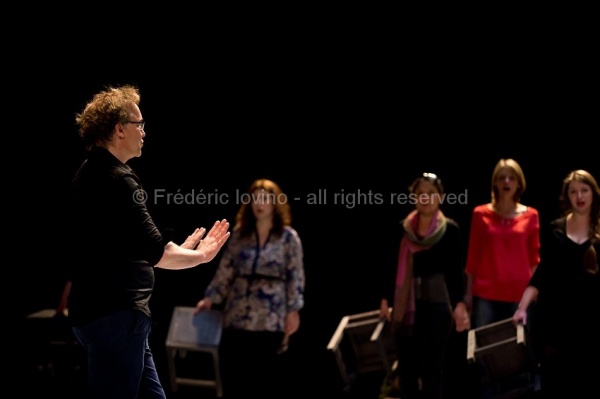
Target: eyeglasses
[
  {"x": 140, "y": 124},
  {"x": 430, "y": 176}
]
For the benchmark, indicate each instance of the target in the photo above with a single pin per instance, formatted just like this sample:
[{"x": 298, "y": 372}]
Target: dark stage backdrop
[{"x": 344, "y": 153}]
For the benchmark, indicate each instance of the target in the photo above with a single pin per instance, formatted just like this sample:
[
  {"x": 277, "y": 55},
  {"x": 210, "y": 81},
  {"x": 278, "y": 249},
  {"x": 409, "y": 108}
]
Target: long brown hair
[
  {"x": 580, "y": 175},
  {"x": 245, "y": 220}
]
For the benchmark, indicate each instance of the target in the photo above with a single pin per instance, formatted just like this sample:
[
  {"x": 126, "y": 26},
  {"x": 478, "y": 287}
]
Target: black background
[{"x": 346, "y": 120}]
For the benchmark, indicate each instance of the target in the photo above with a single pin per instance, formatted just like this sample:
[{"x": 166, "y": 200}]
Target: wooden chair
[
  {"x": 504, "y": 352},
  {"x": 194, "y": 333},
  {"x": 362, "y": 343}
]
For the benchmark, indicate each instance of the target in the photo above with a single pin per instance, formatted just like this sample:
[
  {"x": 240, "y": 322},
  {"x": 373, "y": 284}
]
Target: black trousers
[
  {"x": 421, "y": 353},
  {"x": 250, "y": 364}
]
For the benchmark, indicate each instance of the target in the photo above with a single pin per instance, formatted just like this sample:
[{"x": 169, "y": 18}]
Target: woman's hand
[
  {"x": 292, "y": 322},
  {"x": 384, "y": 310},
  {"x": 204, "y": 303},
  {"x": 520, "y": 316},
  {"x": 461, "y": 317}
]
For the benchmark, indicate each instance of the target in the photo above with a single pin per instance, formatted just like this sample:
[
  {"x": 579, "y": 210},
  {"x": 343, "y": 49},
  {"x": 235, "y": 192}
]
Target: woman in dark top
[
  {"x": 428, "y": 291},
  {"x": 114, "y": 247},
  {"x": 565, "y": 322}
]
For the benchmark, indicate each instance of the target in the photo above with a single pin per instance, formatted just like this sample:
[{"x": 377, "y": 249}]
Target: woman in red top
[{"x": 503, "y": 248}]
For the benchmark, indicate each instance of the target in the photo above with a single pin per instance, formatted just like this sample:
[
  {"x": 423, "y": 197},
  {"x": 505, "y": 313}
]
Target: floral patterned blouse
[{"x": 259, "y": 285}]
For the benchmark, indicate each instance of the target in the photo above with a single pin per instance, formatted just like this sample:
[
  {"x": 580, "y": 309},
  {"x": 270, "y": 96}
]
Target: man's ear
[{"x": 119, "y": 130}]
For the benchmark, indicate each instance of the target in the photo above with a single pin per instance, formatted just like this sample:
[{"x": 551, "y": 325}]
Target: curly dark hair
[{"x": 106, "y": 109}]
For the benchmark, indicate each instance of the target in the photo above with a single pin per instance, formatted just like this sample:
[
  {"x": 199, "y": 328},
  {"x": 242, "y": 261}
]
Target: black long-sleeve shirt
[
  {"x": 568, "y": 305},
  {"x": 113, "y": 243},
  {"x": 445, "y": 257}
]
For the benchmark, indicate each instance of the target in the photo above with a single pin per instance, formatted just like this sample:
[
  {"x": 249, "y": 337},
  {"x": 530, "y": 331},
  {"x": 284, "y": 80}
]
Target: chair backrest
[
  {"x": 502, "y": 348},
  {"x": 362, "y": 343}
]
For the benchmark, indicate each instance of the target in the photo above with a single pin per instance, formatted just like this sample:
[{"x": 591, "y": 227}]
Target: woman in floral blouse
[{"x": 260, "y": 286}]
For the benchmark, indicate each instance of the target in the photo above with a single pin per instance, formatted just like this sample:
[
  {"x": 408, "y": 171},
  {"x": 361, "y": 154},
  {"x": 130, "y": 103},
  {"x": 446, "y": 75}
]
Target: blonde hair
[{"x": 516, "y": 168}]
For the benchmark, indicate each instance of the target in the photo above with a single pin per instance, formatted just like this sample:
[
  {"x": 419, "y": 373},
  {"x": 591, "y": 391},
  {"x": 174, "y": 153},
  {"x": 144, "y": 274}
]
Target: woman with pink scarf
[{"x": 428, "y": 291}]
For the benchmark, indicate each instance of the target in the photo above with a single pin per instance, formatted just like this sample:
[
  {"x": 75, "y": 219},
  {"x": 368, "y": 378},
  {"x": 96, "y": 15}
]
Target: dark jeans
[
  {"x": 120, "y": 363},
  {"x": 486, "y": 311}
]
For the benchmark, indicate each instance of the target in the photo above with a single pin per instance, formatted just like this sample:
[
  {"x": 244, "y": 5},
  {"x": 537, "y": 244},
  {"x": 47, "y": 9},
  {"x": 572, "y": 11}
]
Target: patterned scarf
[{"x": 404, "y": 296}]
